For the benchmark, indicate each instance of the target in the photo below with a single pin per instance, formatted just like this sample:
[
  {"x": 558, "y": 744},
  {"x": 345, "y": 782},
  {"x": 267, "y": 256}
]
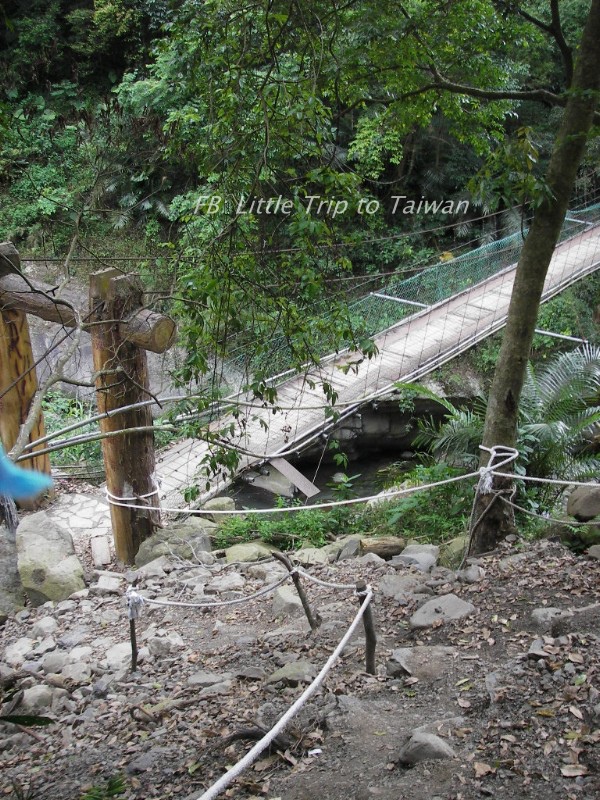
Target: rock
[
  {"x": 12, "y": 596},
  {"x": 78, "y": 654},
  {"x": 100, "y": 551},
  {"x": 594, "y": 551},
  {"x": 45, "y": 646},
  {"x": 371, "y": 558},
  {"x": 219, "y": 504},
  {"x": 48, "y": 566},
  {"x": 582, "y": 620},
  {"x": 544, "y": 617},
  {"x": 424, "y": 747},
  {"x": 216, "y": 689},
  {"x": 251, "y": 673},
  {"x": 312, "y": 556},
  {"x": 294, "y": 673},
  {"x": 157, "y": 568},
  {"x": 73, "y": 638},
  {"x": 118, "y": 657},
  {"x": 36, "y": 699},
  {"x": 452, "y": 551},
  {"x": 286, "y": 602},
  {"x": 422, "y": 556},
  {"x": 351, "y": 548},
  {"x": 164, "y": 645},
  {"x": 15, "y": 653},
  {"x": 446, "y": 607},
  {"x": 536, "y": 650},
  {"x": 78, "y": 673},
  {"x": 384, "y": 546},
  {"x": 44, "y": 627},
  {"x": 472, "y": 574},
  {"x": 231, "y": 582},
  {"x": 205, "y": 678},
  {"x": 401, "y": 586},
  {"x": 107, "y": 585},
  {"x": 182, "y": 540},
  {"x": 54, "y": 662},
  {"x": 248, "y": 551},
  {"x": 422, "y": 662},
  {"x": 584, "y": 502},
  {"x": 268, "y": 573}
]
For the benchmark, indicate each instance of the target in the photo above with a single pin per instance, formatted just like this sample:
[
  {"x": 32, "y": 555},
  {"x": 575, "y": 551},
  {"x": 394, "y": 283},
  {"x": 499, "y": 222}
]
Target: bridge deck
[{"x": 406, "y": 351}]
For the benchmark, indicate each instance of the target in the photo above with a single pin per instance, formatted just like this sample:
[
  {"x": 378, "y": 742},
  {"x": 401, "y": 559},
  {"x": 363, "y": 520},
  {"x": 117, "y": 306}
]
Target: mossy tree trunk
[{"x": 496, "y": 518}]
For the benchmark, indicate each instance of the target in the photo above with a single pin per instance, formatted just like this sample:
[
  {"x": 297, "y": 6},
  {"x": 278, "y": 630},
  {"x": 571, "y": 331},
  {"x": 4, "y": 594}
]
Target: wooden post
[
  {"x": 313, "y": 620},
  {"x": 370, "y": 637},
  {"x": 16, "y": 360},
  {"x": 122, "y": 379}
]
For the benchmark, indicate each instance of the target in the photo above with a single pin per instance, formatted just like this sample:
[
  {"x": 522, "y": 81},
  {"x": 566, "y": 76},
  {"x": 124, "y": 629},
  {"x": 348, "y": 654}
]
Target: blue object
[{"x": 20, "y": 484}]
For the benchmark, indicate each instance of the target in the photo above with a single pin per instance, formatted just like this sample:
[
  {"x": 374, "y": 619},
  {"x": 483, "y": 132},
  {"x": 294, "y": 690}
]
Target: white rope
[
  {"x": 263, "y": 743},
  {"x": 290, "y": 509},
  {"x": 182, "y": 604},
  {"x": 328, "y": 585},
  {"x": 486, "y": 474},
  {"x": 552, "y": 481},
  {"x": 112, "y": 496},
  {"x": 507, "y": 454}
]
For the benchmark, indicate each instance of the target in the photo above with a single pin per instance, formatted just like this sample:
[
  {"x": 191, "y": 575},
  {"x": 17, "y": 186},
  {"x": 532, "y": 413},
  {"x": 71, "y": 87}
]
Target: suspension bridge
[{"x": 417, "y": 325}]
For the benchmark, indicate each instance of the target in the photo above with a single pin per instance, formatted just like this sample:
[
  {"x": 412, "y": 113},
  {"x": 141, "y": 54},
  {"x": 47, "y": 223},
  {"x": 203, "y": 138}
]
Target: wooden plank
[{"x": 295, "y": 476}]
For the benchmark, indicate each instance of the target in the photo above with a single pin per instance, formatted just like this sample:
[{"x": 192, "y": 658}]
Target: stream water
[{"x": 370, "y": 479}]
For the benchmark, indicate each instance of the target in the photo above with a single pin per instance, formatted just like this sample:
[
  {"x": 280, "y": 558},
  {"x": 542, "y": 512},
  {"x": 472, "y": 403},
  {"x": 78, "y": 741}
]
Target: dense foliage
[{"x": 164, "y": 126}]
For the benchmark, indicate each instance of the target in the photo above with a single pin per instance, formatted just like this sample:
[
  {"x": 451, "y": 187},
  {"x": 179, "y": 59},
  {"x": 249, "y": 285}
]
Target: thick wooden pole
[
  {"x": 314, "y": 620},
  {"x": 123, "y": 379},
  {"x": 369, "y": 625},
  {"x": 16, "y": 360}
]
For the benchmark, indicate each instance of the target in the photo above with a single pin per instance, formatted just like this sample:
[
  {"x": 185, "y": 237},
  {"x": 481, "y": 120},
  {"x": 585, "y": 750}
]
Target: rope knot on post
[
  {"x": 135, "y": 603},
  {"x": 486, "y": 479}
]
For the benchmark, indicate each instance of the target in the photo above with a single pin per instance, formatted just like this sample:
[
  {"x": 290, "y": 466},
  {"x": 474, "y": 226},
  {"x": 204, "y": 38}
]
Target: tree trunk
[
  {"x": 122, "y": 379},
  {"x": 505, "y": 393},
  {"x": 17, "y": 372}
]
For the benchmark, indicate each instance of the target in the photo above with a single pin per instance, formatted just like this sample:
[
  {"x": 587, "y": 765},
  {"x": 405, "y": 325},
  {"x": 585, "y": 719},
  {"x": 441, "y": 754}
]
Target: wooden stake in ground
[
  {"x": 122, "y": 379},
  {"x": 370, "y": 637},
  {"x": 313, "y": 620}
]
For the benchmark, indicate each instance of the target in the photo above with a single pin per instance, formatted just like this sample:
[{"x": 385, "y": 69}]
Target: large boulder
[
  {"x": 219, "y": 504},
  {"x": 584, "y": 502},
  {"x": 452, "y": 551},
  {"x": 48, "y": 566},
  {"x": 441, "y": 609},
  {"x": 248, "y": 551},
  {"x": 12, "y": 596},
  {"x": 182, "y": 539}
]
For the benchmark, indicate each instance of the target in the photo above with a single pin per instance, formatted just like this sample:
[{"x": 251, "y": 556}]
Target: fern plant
[
  {"x": 559, "y": 420},
  {"x": 114, "y": 786}
]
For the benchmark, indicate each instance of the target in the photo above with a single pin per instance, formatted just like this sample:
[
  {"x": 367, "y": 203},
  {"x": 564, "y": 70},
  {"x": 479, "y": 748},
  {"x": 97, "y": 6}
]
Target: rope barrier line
[
  {"x": 571, "y": 524},
  {"x": 114, "y": 500},
  {"x": 263, "y": 743},
  {"x": 508, "y": 455},
  {"x": 326, "y": 584},
  {"x": 533, "y": 479},
  {"x": 131, "y": 593}
]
